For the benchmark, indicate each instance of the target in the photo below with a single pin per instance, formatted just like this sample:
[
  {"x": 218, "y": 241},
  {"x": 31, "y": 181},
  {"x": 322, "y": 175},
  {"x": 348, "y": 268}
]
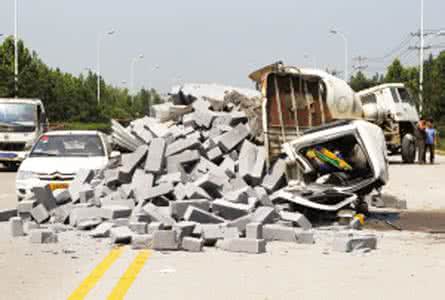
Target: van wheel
[{"x": 408, "y": 148}]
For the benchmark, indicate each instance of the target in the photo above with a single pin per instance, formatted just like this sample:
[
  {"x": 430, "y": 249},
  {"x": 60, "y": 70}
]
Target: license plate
[
  {"x": 58, "y": 186},
  {"x": 7, "y": 155}
]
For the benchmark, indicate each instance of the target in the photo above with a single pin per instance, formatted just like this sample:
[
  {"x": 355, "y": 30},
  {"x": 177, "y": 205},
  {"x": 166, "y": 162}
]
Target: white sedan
[{"x": 57, "y": 156}]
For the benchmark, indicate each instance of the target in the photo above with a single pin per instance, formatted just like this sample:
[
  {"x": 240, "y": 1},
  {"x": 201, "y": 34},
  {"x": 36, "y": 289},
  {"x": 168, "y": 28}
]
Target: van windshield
[
  {"x": 21, "y": 114},
  {"x": 405, "y": 96},
  {"x": 68, "y": 146}
]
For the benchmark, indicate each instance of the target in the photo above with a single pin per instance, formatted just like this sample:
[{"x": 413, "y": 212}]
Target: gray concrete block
[
  {"x": 40, "y": 213},
  {"x": 89, "y": 224},
  {"x": 263, "y": 196},
  {"x": 173, "y": 178},
  {"x": 211, "y": 183},
  {"x": 141, "y": 241},
  {"x": 247, "y": 158},
  {"x": 154, "y": 126},
  {"x": 180, "y": 192},
  {"x": 189, "y": 143},
  {"x": 156, "y": 156},
  {"x": 196, "y": 192},
  {"x": 30, "y": 225},
  {"x": 42, "y": 236},
  {"x": 275, "y": 179},
  {"x": 157, "y": 191},
  {"x": 191, "y": 244},
  {"x": 296, "y": 218},
  {"x": 25, "y": 206},
  {"x": 82, "y": 177},
  {"x": 184, "y": 228},
  {"x": 250, "y": 246},
  {"x": 130, "y": 162},
  {"x": 138, "y": 227},
  {"x": 212, "y": 232},
  {"x": 241, "y": 223},
  {"x": 229, "y": 167},
  {"x": 86, "y": 193},
  {"x": 112, "y": 212},
  {"x": 256, "y": 173},
  {"x": 178, "y": 208},
  {"x": 254, "y": 231},
  {"x": 16, "y": 227},
  {"x": 233, "y": 138},
  {"x": 229, "y": 210},
  {"x": 111, "y": 180},
  {"x": 120, "y": 222},
  {"x": 101, "y": 231},
  {"x": 185, "y": 158},
  {"x": 154, "y": 226},
  {"x": 265, "y": 215},
  {"x": 349, "y": 242},
  {"x": 231, "y": 233},
  {"x": 80, "y": 212},
  {"x": 62, "y": 213},
  {"x": 201, "y": 216},
  {"x": 305, "y": 236},
  {"x": 157, "y": 214},
  {"x": 215, "y": 155},
  {"x": 44, "y": 196},
  {"x": 121, "y": 235},
  {"x": 273, "y": 232},
  {"x": 165, "y": 240},
  {"x": 204, "y": 118},
  {"x": 109, "y": 202}
]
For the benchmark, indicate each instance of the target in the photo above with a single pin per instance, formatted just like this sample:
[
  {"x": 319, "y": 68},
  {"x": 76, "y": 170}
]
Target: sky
[{"x": 213, "y": 41}]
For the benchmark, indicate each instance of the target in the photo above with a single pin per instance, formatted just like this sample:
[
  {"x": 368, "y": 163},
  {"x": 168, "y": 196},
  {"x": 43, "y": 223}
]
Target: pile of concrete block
[{"x": 198, "y": 179}]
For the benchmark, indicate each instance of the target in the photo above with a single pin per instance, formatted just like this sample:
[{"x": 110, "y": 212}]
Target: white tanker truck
[{"x": 297, "y": 99}]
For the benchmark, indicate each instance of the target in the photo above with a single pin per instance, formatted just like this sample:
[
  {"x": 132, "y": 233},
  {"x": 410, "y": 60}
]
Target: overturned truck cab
[{"x": 313, "y": 121}]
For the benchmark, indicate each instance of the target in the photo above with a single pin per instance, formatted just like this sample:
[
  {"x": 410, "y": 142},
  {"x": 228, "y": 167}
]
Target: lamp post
[
  {"x": 133, "y": 62},
  {"x": 346, "y": 51},
  {"x": 99, "y": 40},
  {"x": 16, "y": 50},
  {"x": 422, "y": 55}
]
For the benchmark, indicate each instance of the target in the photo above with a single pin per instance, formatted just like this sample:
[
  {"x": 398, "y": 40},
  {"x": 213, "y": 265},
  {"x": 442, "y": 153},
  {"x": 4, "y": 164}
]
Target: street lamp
[
  {"x": 133, "y": 62},
  {"x": 99, "y": 40},
  {"x": 346, "y": 50},
  {"x": 16, "y": 50},
  {"x": 314, "y": 60}
]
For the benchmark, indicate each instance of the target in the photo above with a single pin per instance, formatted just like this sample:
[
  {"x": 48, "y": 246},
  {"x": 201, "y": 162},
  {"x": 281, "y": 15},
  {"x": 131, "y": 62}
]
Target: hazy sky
[{"x": 212, "y": 41}]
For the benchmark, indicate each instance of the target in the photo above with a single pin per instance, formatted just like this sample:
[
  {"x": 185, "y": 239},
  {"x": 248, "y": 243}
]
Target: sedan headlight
[{"x": 25, "y": 175}]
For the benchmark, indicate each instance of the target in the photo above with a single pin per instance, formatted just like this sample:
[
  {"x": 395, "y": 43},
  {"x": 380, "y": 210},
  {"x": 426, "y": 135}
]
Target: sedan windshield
[
  {"x": 68, "y": 146},
  {"x": 14, "y": 114}
]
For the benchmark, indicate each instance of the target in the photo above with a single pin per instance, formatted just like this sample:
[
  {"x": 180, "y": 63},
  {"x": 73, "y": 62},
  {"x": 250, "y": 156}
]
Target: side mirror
[{"x": 115, "y": 155}]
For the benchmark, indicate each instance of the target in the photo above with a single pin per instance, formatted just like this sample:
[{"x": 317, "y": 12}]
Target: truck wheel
[{"x": 408, "y": 148}]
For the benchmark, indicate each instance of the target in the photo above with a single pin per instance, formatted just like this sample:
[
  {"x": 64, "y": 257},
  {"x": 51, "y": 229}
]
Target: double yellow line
[{"x": 124, "y": 283}]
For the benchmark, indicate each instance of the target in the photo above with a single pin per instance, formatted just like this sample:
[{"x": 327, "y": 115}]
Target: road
[
  {"x": 406, "y": 265},
  {"x": 7, "y": 189}
]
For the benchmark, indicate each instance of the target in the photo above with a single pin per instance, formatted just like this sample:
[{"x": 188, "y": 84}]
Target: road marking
[
  {"x": 127, "y": 279},
  {"x": 93, "y": 278}
]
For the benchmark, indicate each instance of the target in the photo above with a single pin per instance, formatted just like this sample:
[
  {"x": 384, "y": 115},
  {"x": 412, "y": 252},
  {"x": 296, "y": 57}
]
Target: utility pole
[
  {"x": 345, "y": 40},
  {"x": 360, "y": 63},
  {"x": 422, "y": 55},
  {"x": 16, "y": 51},
  {"x": 98, "y": 78}
]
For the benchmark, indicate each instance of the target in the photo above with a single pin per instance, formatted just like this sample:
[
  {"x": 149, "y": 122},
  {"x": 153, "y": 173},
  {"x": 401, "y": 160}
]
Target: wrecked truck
[{"x": 315, "y": 119}]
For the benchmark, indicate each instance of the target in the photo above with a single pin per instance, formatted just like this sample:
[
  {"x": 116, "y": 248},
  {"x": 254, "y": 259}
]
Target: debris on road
[{"x": 197, "y": 173}]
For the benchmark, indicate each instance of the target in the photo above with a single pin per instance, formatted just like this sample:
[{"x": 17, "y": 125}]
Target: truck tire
[{"x": 408, "y": 148}]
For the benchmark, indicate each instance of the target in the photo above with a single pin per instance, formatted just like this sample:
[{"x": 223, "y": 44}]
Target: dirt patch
[{"x": 421, "y": 221}]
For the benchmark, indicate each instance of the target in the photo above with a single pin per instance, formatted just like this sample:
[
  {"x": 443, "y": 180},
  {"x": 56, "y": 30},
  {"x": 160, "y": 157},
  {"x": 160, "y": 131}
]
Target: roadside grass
[{"x": 103, "y": 127}]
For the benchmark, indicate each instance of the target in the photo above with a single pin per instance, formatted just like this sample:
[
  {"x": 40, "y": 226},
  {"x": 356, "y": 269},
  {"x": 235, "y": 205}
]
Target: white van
[{"x": 22, "y": 121}]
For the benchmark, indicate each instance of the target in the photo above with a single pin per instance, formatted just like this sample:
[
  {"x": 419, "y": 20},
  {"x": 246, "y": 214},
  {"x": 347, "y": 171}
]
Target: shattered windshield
[
  {"x": 17, "y": 114},
  {"x": 68, "y": 146},
  {"x": 405, "y": 96}
]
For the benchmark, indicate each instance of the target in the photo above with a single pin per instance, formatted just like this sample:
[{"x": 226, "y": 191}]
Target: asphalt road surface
[
  {"x": 406, "y": 265},
  {"x": 7, "y": 189}
]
